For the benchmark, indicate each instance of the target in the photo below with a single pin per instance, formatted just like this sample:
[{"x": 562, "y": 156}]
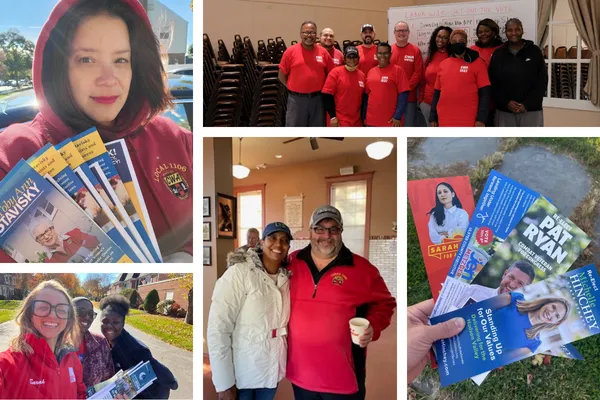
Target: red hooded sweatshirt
[
  {"x": 40, "y": 375},
  {"x": 158, "y": 150}
]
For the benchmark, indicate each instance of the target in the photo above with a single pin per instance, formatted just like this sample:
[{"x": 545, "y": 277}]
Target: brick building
[
  {"x": 166, "y": 286},
  {"x": 7, "y": 286}
]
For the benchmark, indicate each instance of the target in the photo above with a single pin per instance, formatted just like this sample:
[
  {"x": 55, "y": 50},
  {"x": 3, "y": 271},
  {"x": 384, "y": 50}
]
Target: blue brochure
[
  {"x": 516, "y": 325},
  {"x": 38, "y": 224}
]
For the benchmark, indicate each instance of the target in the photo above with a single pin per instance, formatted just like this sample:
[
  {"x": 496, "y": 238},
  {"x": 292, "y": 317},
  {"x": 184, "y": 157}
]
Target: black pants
[{"x": 303, "y": 394}]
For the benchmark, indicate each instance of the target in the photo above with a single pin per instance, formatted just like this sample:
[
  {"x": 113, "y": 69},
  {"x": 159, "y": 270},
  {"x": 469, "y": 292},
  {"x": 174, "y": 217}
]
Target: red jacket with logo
[
  {"x": 158, "y": 150},
  {"x": 321, "y": 355},
  {"x": 40, "y": 375}
]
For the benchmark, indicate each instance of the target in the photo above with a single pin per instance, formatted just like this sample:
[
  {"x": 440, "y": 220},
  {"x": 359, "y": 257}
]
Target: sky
[
  {"x": 28, "y": 16},
  {"x": 83, "y": 275}
]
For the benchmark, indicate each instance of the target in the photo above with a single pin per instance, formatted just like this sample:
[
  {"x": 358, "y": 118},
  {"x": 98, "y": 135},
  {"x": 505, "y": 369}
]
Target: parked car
[
  {"x": 179, "y": 69},
  {"x": 23, "y": 107}
]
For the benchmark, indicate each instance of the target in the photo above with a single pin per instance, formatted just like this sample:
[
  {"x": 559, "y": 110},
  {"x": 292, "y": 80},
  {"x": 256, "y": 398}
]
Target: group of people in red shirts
[{"x": 383, "y": 85}]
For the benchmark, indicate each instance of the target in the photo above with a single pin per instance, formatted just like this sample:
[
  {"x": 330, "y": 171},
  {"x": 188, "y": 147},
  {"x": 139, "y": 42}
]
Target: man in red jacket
[
  {"x": 408, "y": 57},
  {"x": 331, "y": 285}
]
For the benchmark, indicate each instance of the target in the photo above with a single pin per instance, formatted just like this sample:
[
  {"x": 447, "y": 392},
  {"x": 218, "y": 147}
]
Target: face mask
[
  {"x": 458, "y": 48},
  {"x": 351, "y": 68}
]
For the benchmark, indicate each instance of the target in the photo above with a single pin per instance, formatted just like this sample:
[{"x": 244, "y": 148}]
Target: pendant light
[
  {"x": 379, "y": 149},
  {"x": 239, "y": 171}
]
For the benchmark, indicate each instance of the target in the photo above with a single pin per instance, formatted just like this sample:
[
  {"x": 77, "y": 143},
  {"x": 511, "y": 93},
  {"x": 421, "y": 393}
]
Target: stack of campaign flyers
[
  {"x": 509, "y": 281},
  {"x": 78, "y": 202},
  {"x": 129, "y": 383}
]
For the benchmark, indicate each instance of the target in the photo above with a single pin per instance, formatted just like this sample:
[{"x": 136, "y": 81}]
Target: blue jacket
[{"x": 127, "y": 352}]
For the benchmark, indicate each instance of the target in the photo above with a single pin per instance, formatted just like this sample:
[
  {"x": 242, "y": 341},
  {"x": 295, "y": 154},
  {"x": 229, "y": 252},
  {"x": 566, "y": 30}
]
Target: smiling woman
[
  {"x": 43, "y": 351},
  {"x": 97, "y": 63}
]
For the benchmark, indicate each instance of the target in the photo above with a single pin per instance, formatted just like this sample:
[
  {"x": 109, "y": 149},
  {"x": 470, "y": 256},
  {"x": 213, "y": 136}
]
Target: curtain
[
  {"x": 586, "y": 15},
  {"x": 544, "y": 7}
]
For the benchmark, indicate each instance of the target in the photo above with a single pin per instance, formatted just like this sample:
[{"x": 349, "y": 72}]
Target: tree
[
  {"x": 187, "y": 282},
  {"x": 151, "y": 301},
  {"x": 18, "y": 54},
  {"x": 191, "y": 51},
  {"x": 97, "y": 285}
]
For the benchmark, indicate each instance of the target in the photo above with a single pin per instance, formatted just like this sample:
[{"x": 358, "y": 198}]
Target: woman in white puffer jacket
[{"x": 247, "y": 322}]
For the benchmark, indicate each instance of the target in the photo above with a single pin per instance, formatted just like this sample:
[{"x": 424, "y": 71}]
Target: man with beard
[
  {"x": 408, "y": 57},
  {"x": 367, "y": 51},
  {"x": 518, "y": 275},
  {"x": 386, "y": 92},
  {"x": 330, "y": 286},
  {"x": 303, "y": 69},
  {"x": 343, "y": 92},
  {"x": 327, "y": 41}
]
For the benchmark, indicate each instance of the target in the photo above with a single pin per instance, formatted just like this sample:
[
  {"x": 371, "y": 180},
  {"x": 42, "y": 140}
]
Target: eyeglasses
[
  {"x": 402, "y": 30},
  {"x": 46, "y": 232},
  {"x": 83, "y": 313},
  {"x": 332, "y": 231},
  {"x": 42, "y": 308},
  {"x": 309, "y": 33}
]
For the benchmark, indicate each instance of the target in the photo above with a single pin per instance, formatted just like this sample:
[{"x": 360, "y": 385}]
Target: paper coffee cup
[{"x": 357, "y": 328}]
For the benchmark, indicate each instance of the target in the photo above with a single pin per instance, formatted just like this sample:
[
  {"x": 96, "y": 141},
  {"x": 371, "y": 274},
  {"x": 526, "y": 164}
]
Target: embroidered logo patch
[
  {"x": 384, "y": 79},
  {"x": 338, "y": 279},
  {"x": 319, "y": 59},
  {"x": 32, "y": 382},
  {"x": 361, "y": 84},
  {"x": 177, "y": 185},
  {"x": 464, "y": 68},
  {"x": 409, "y": 58}
]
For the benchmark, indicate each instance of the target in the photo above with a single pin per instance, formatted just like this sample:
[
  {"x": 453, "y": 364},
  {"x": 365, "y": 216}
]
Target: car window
[{"x": 181, "y": 114}]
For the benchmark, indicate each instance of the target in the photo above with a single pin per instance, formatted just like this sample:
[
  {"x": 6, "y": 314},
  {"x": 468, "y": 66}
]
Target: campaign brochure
[
  {"x": 129, "y": 383},
  {"x": 122, "y": 161},
  {"x": 441, "y": 209},
  {"x": 70, "y": 154},
  {"x": 38, "y": 224},
  {"x": 515, "y": 325},
  {"x": 92, "y": 149}
]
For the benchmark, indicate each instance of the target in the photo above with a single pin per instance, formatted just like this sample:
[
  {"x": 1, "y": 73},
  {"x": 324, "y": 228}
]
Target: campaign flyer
[
  {"x": 515, "y": 325},
  {"x": 92, "y": 149},
  {"x": 441, "y": 209},
  {"x": 70, "y": 154},
  {"x": 38, "y": 224},
  {"x": 122, "y": 161}
]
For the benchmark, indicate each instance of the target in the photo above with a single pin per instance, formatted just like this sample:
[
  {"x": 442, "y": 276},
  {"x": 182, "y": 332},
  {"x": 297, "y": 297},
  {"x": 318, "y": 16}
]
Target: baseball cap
[
  {"x": 326, "y": 212},
  {"x": 274, "y": 227},
  {"x": 367, "y": 26},
  {"x": 350, "y": 50}
]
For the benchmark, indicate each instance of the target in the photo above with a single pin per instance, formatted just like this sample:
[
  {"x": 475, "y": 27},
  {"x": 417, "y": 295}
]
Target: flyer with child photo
[{"x": 515, "y": 325}]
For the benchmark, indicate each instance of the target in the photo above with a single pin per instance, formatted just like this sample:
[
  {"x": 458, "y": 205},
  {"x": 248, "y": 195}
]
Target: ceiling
[{"x": 256, "y": 151}]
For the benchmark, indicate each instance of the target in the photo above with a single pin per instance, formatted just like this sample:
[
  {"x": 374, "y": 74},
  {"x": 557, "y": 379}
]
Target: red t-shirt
[
  {"x": 367, "y": 58},
  {"x": 306, "y": 69},
  {"x": 383, "y": 87},
  {"x": 409, "y": 58},
  {"x": 347, "y": 89},
  {"x": 459, "y": 82},
  {"x": 485, "y": 53},
  {"x": 430, "y": 76},
  {"x": 336, "y": 55}
]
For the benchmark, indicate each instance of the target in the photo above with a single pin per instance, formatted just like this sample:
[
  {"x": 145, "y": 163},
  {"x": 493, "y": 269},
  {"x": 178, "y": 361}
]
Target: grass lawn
[
  {"x": 170, "y": 330},
  {"x": 562, "y": 378},
  {"x": 8, "y": 309}
]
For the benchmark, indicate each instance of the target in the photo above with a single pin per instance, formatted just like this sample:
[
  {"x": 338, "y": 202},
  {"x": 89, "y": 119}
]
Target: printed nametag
[
  {"x": 384, "y": 79},
  {"x": 464, "y": 68},
  {"x": 409, "y": 58},
  {"x": 319, "y": 59}
]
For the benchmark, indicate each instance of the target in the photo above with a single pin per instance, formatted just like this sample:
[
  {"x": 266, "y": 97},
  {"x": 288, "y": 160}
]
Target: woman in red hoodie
[
  {"x": 41, "y": 362},
  {"x": 97, "y": 63}
]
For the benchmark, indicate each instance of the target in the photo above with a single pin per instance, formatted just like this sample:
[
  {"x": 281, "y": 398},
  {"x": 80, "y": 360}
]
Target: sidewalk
[{"x": 179, "y": 361}]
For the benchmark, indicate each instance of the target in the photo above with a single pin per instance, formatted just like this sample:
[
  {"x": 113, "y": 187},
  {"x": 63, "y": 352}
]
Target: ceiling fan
[{"x": 313, "y": 141}]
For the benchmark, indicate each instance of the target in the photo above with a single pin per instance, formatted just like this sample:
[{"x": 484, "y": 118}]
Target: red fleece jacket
[{"x": 158, "y": 149}]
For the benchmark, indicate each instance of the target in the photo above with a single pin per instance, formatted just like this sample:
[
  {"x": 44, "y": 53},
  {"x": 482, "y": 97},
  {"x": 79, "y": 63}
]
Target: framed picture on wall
[
  {"x": 206, "y": 231},
  {"x": 226, "y": 216},
  {"x": 207, "y": 255},
  {"x": 206, "y": 206}
]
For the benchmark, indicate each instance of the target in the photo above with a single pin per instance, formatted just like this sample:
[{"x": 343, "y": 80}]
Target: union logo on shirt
[
  {"x": 384, "y": 79},
  {"x": 409, "y": 58},
  {"x": 177, "y": 185},
  {"x": 361, "y": 84},
  {"x": 336, "y": 61},
  {"x": 319, "y": 59},
  {"x": 338, "y": 279},
  {"x": 464, "y": 68}
]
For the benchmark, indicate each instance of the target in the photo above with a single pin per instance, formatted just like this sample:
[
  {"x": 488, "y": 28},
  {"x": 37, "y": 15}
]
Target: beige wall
[
  {"x": 565, "y": 117},
  {"x": 308, "y": 179}
]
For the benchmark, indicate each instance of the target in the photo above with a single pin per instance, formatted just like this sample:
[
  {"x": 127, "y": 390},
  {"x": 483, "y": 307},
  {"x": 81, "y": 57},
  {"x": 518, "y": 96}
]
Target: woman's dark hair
[
  {"x": 432, "y": 48},
  {"x": 148, "y": 83},
  {"x": 117, "y": 303},
  {"x": 438, "y": 210},
  {"x": 490, "y": 23}
]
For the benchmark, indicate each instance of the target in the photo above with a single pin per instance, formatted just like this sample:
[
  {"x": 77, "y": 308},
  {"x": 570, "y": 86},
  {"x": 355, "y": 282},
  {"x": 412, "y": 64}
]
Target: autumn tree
[{"x": 186, "y": 281}]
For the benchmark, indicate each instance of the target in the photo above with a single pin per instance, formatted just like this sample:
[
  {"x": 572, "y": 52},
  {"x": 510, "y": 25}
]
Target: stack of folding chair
[
  {"x": 587, "y": 54},
  {"x": 210, "y": 71},
  {"x": 281, "y": 48},
  {"x": 270, "y": 98},
  {"x": 572, "y": 68},
  {"x": 225, "y": 105},
  {"x": 346, "y": 43},
  {"x": 563, "y": 75},
  {"x": 223, "y": 54}
]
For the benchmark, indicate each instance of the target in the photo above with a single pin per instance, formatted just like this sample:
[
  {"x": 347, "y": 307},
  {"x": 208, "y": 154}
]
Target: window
[
  {"x": 169, "y": 296},
  {"x": 46, "y": 209},
  {"x": 165, "y": 35},
  {"x": 352, "y": 196},
  {"x": 251, "y": 201},
  {"x": 568, "y": 60}
]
